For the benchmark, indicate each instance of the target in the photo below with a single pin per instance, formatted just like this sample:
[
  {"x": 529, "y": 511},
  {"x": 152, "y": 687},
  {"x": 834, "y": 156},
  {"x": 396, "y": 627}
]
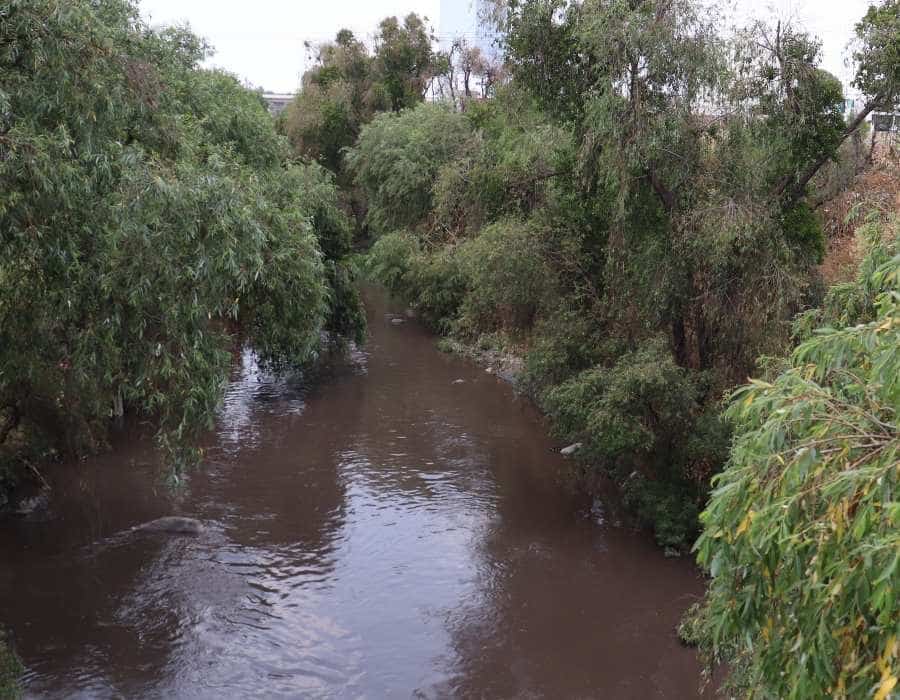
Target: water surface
[{"x": 391, "y": 533}]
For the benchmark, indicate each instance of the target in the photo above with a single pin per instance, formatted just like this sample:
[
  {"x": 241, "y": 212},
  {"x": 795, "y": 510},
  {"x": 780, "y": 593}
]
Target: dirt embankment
[{"x": 876, "y": 189}]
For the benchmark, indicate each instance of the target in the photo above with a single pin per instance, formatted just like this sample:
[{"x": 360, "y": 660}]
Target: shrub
[
  {"x": 632, "y": 410},
  {"x": 437, "y": 287},
  {"x": 641, "y": 418},
  {"x": 565, "y": 341},
  {"x": 390, "y": 261},
  {"x": 396, "y": 161},
  {"x": 431, "y": 281},
  {"x": 803, "y": 232},
  {"x": 854, "y": 302},
  {"x": 506, "y": 275}
]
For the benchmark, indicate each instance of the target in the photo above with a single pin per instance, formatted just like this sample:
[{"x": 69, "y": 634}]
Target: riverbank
[{"x": 628, "y": 493}]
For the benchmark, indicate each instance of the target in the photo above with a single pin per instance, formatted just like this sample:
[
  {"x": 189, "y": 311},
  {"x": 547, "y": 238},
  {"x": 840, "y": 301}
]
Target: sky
[{"x": 262, "y": 42}]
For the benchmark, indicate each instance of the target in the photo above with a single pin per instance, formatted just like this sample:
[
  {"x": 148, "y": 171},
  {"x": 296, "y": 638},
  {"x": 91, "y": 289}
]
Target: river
[{"x": 390, "y": 532}]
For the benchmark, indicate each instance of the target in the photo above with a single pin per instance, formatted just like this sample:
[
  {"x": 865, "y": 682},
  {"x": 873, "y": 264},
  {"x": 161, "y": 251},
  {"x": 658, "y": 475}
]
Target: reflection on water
[{"x": 389, "y": 533}]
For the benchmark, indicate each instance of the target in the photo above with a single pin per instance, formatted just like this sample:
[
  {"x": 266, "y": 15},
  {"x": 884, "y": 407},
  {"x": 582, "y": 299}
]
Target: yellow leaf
[
  {"x": 745, "y": 523},
  {"x": 886, "y": 686}
]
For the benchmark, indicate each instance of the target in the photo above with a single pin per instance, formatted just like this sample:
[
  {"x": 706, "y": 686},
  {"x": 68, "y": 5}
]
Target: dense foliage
[
  {"x": 149, "y": 218},
  {"x": 396, "y": 162},
  {"x": 631, "y": 209},
  {"x": 802, "y": 533}
]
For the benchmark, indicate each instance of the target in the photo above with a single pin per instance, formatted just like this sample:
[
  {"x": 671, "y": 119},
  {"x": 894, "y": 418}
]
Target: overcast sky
[{"x": 262, "y": 41}]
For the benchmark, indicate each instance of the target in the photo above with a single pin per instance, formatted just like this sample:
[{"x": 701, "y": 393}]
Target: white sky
[{"x": 262, "y": 41}]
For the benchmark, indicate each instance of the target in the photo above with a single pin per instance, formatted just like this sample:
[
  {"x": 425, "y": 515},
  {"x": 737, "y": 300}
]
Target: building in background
[
  {"x": 853, "y": 106},
  {"x": 277, "y": 101}
]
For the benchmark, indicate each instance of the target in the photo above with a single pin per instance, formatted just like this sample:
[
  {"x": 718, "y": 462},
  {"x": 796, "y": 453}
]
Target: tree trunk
[{"x": 795, "y": 193}]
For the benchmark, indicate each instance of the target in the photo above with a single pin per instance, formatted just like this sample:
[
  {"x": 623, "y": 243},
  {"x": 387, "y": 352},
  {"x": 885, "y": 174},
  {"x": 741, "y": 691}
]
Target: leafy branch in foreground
[{"x": 802, "y": 533}]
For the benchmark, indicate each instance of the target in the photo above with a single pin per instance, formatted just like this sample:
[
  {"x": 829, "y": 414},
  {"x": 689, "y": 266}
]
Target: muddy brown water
[{"x": 390, "y": 533}]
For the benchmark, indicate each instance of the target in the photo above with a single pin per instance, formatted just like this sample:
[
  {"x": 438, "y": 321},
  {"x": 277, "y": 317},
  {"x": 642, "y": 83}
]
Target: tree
[
  {"x": 149, "y": 219},
  {"x": 397, "y": 159},
  {"x": 802, "y": 532},
  {"x": 339, "y": 94},
  {"x": 405, "y": 62}
]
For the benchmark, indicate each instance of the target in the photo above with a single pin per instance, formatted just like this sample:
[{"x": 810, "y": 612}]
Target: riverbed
[{"x": 402, "y": 528}]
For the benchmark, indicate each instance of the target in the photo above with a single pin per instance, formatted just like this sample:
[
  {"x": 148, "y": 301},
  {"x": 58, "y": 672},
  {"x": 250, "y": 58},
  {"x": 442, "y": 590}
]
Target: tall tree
[
  {"x": 338, "y": 95},
  {"x": 405, "y": 61},
  {"x": 149, "y": 218}
]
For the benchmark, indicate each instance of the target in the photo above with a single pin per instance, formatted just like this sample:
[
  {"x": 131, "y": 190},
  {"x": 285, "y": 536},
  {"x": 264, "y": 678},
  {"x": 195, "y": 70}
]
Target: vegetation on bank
[
  {"x": 150, "y": 218},
  {"x": 10, "y": 669},
  {"x": 632, "y": 207},
  {"x": 802, "y": 531},
  {"x": 635, "y": 206}
]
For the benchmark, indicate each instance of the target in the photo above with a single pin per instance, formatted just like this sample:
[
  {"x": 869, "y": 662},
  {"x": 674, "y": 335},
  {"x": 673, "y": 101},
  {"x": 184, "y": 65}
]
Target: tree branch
[
  {"x": 795, "y": 191},
  {"x": 666, "y": 196}
]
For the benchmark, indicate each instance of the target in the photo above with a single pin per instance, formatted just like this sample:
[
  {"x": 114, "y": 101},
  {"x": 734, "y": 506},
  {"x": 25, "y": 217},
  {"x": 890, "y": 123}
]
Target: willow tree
[
  {"x": 149, "y": 218},
  {"x": 802, "y": 533}
]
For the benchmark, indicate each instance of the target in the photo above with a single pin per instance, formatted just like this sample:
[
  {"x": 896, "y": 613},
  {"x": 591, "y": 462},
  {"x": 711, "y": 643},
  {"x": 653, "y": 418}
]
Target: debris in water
[{"x": 570, "y": 450}]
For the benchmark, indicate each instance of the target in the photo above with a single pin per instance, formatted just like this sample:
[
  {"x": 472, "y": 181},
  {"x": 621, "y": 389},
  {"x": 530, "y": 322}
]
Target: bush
[
  {"x": 397, "y": 159},
  {"x": 565, "y": 341},
  {"x": 632, "y": 410},
  {"x": 390, "y": 261},
  {"x": 431, "y": 281},
  {"x": 641, "y": 418},
  {"x": 802, "y": 533},
  {"x": 854, "y": 302},
  {"x": 506, "y": 276},
  {"x": 10, "y": 670},
  {"x": 804, "y": 234},
  {"x": 505, "y": 170},
  {"x": 437, "y": 287}
]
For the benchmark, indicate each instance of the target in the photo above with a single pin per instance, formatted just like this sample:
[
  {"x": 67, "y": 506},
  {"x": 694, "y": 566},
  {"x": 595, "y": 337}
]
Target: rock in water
[{"x": 173, "y": 524}]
